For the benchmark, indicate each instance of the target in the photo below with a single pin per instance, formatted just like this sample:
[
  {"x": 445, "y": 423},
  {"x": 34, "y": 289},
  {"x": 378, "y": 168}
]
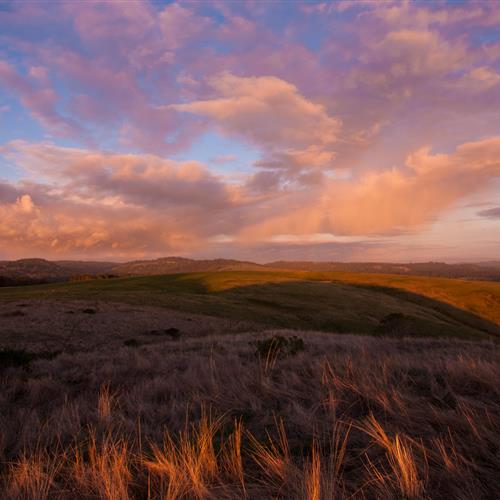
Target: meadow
[{"x": 309, "y": 386}]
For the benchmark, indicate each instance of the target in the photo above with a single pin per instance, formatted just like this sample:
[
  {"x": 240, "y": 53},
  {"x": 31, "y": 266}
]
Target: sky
[{"x": 257, "y": 130}]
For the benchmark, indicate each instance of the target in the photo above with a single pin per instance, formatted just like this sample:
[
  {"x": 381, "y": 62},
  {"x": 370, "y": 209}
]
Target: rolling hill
[{"x": 336, "y": 302}]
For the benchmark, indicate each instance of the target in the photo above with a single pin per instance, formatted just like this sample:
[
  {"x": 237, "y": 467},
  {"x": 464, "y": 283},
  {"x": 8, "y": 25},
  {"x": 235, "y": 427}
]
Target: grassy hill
[
  {"x": 99, "y": 405},
  {"x": 338, "y": 302}
]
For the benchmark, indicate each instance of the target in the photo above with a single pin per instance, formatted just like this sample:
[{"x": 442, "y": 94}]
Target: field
[{"x": 250, "y": 385}]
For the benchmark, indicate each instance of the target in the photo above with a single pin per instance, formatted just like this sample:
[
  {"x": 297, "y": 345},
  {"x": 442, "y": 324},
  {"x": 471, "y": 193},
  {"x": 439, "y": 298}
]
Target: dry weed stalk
[
  {"x": 32, "y": 476},
  {"x": 189, "y": 466},
  {"x": 103, "y": 468},
  {"x": 400, "y": 458}
]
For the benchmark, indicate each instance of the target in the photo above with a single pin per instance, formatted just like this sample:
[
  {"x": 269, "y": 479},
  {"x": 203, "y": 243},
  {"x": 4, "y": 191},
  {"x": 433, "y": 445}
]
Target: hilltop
[{"x": 170, "y": 265}]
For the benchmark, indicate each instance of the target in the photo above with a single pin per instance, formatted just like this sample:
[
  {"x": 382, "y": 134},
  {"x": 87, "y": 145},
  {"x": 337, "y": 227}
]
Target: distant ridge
[
  {"x": 28, "y": 271},
  {"x": 437, "y": 269},
  {"x": 169, "y": 265},
  {"x": 32, "y": 271}
]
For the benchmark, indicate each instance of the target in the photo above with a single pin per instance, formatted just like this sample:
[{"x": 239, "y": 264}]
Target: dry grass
[
  {"x": 349, "y": 417},
  {"x": 403, "y": 477},
  {"x": 101, "y": 468}
]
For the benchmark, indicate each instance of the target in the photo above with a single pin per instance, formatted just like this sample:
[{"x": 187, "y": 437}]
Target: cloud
[
  {"x": 112, "y": 66},
  {"x": 65, "y": 227},
  {"x": 221, "y": 159},
  {"x": 293, "y": 131},
  {"x": 388, "y": 202},
  {"x": 143, "y": 180},
  {"x": 490, "y": 213},
  {"x": 39, "y": 98},
  {"x": 338, "y": 114},
  {"x": 102, "y": 203}
]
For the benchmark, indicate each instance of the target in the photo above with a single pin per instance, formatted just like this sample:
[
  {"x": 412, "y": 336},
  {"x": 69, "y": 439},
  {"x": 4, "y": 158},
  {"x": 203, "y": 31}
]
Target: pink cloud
[
  {"x": 39, "y": 98},
  {"x": 101, "y": 203},
  {"x": 221, "y": 159},
  {"x": 127, "y": 179},
  {"x": 333, "y": 114},
  {"x": 293, "y": 130}
]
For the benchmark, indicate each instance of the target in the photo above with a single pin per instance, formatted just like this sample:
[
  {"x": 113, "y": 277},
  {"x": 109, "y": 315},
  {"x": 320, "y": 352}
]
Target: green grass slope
[{"x": 339, "y": 302}]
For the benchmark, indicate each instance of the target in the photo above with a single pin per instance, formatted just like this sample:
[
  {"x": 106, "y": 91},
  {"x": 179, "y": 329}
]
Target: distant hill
[
  {"x": 31, "y": 271},
  {"x": 490, "y": 263},
  {"x": 171, "y": 265},
  {"x": 85, "y": 267},
  {"x": 339, "y": 302},
  {"x": 435, "y": 269}
]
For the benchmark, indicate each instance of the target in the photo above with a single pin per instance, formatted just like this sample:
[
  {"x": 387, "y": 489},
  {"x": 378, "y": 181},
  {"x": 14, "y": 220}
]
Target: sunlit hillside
[{"x": 338, "y": 302}]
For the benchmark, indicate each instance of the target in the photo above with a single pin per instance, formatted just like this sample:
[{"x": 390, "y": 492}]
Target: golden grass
[
  {"x": 32, "y": 476},
  {"x": 400, "y": 458},
  {"x": 479, "y": 297},
  {"x": 192, "y": 465},
  {"x": 102, "y": 469}
]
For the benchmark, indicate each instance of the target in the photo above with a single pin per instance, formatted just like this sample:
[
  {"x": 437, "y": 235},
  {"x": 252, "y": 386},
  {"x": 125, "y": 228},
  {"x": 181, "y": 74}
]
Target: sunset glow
[{"x": 361, "y": 131}]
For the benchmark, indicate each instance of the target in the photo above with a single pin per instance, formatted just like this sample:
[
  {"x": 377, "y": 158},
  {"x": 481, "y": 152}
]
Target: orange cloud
[
  {"x": 390, "y": 201},
  {"x": 92, "y": 201}
]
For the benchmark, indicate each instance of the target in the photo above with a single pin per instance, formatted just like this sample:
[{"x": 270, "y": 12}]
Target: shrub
[
  {"x": 174, "y": 333},
  {"x": 14, "y": 357}
]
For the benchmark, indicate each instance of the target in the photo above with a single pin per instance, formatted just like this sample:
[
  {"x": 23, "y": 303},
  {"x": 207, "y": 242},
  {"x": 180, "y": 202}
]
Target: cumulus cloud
[
  {"x": 102, "y": 202},
  {"x": 62, "y": 226},
  {"x": 390, "y": 201},
  {"x": 293, "y": 131},
  {"x": 333, "y": 116},
  {"x": 132, "y": 179}
]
